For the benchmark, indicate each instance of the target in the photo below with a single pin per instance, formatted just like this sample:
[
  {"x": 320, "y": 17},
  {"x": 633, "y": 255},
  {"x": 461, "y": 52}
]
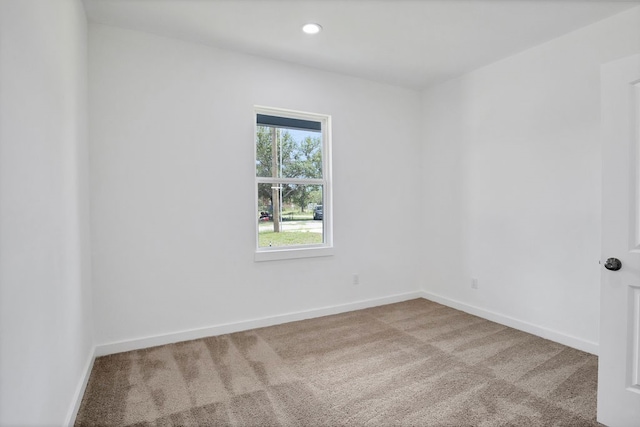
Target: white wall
[
  {"x": 171, "y": 129},
  {"x": 512, "y": 181},
  {"x": 45, "y": 303}
]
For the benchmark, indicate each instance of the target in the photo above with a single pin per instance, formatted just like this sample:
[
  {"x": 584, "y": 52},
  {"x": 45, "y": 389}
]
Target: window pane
[
  {"x": 288, "y": 153},
  {"x": 264, "y": 143},
  {"x": 290, "y": 214}
]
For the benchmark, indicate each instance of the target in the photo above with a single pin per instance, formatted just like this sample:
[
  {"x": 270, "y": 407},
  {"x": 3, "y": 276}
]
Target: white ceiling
[{"x": 408, "y": 43}]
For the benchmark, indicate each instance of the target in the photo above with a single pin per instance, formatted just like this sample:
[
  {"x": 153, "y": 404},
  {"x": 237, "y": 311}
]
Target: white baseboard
[
  {"x": 152, "y": 341},
  {"x": 559, "y": 337},
  {"x": 82, "y": 386}
]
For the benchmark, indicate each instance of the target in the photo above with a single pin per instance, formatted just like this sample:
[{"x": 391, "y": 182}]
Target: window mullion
[{"x": 301, "y": 181}]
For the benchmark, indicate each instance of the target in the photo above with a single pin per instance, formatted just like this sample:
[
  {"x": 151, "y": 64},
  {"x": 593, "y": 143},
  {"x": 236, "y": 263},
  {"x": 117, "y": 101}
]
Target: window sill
[{"x": 289, "y": 253}]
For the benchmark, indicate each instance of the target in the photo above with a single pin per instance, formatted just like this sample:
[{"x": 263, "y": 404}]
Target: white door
[{"x": 619, "y": 351}]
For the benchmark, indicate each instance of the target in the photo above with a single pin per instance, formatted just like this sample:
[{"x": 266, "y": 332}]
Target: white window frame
[{"x": 298, "y": 251}]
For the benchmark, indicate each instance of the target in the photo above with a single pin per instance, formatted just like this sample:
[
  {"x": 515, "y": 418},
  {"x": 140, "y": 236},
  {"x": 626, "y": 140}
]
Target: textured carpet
[{"x": 413, "y": 363}]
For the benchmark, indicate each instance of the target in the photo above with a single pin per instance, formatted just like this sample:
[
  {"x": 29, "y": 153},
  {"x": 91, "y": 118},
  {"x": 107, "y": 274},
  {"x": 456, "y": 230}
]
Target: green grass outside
[{"x": 288, "y": 238}]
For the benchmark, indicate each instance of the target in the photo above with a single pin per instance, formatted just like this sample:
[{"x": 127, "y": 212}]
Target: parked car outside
[{"x": 317, "y": 212}]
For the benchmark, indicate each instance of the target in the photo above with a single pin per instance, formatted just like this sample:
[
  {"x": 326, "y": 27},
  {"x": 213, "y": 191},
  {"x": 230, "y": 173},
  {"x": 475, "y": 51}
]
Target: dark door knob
[{"x": 613, "y": 264}]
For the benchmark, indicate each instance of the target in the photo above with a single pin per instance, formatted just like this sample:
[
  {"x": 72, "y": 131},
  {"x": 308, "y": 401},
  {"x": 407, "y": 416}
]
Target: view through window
[{"x": 291, "y": 179}]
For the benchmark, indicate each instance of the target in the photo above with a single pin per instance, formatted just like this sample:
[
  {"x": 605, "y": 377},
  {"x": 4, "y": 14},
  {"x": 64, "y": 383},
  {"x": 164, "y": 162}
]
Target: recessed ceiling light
[{"x": 312, "y": 28}]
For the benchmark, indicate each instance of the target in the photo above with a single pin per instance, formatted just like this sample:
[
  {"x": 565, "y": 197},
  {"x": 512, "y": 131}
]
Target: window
[{"x": 293, "y": 184}]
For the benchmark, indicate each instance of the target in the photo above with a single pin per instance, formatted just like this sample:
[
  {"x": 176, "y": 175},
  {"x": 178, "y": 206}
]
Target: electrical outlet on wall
[
  {"x": 474, "y": 283},
  {"x": 356, "y": 279}
]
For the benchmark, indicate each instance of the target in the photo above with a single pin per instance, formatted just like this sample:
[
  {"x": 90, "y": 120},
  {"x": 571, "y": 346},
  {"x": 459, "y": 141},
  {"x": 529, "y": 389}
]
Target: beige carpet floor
[{"x": 415, "y": 363}]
